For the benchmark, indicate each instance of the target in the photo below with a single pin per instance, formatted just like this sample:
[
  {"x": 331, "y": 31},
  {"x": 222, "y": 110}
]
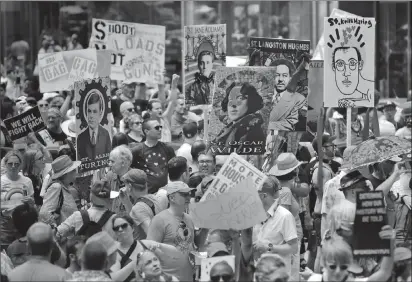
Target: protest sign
[
  {"x": 92, "y": 125},
  {"x": 59, "y": 71},
  {"x": 234, "y": 170},
  {"x": 209, "y": 263},
  {"x": 319, "y": 53},
  {"x": 315, "y": 95},
  {"x": 242, "y": 105},
  {"x": 289, "y": 111},
  {"x": 238, "y": 209},
  {"x": 21, "y": 125},
  {"x": 204, "y": 50},
  {"x": 369, "y": 220},
  {"x": 138, "y": 50},
  {"x": 349, "y": 68}
]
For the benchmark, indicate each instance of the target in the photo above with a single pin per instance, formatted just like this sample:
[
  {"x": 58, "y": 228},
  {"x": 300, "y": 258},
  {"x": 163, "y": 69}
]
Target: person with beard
[
  {"x": 243, "y": 134},
  {"x": 74, "y": 248},
  {"x": 405, "y": 132},
  {"x": 198, "y": 92},
  {"x": 286, "y": 102}
]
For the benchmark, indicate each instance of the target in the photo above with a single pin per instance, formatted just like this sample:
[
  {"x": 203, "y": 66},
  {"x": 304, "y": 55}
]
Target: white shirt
[
  {"x": 404, "y": 132},
  {"x": 184, "y": 151},
  {"x": 278, "y": 229}
]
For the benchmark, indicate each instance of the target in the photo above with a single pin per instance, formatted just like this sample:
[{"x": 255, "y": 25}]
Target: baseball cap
[
  {"x": 178, "y": 186},
  {"x": 100, "y": 193},
  {"x": 326, "y": 138},
  {"x": 108, "y": 243},
  {"x": 190, "y": 130},
  {"x": 215, "y": 248},
  {"x": 136, "y": 177}
]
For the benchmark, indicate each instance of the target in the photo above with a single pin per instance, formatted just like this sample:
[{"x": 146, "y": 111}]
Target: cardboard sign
[
  {"x": 208, "y": 263},
  {"x": 319, "y": 53},
  {"x": 204, "y": 50},
  {"x": 349, "y": 69},
  {"x": 131, "y": 44},
  {"x": 233, "y": 171},
  {"x": 21, "y": 125},
  {"x": 289, "y": 110},
  {"x": 369, "y": 220},
  {"x": 59, "y": 71},
  {"x": 93, "y": 143},
  {"x": 315, "y": 96},
  {"x": 238, "y": 209}
]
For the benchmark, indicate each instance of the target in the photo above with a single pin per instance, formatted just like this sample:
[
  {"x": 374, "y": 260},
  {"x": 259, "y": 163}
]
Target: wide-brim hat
[
  {"x": 285, "y": 163},
  {"x": 63, "y": 165},
  {"x": 69, "y": 127}
]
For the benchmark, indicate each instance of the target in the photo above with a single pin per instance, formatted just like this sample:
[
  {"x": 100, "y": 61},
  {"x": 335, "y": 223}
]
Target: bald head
[
  {"x": 94, "y": 256},
  {"x": 40, "y": 239}
]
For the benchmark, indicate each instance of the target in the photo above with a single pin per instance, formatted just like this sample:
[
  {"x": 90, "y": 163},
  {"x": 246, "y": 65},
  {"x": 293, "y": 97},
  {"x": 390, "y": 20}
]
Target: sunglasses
[
  {"x": 225, "y": 278},
  {"x": 130, "y": 110},
  {"x": 43, "y": 105},
  {"x": 13, "y": 164},
  {"x": 184, "y": 227},
  {"x": 334, "y": 267},
  {"x": 158, "y": 127},
  {"x": 123, "y": 226}
]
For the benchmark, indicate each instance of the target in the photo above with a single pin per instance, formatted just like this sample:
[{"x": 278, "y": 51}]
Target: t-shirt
[
  {"x": 38, "y": 270},
  {"x": 168, "y": 229},
  {"x": 142, "y": 212},
  {"x": 22, "y": 182},
  {"x": 153, "y": 161}
]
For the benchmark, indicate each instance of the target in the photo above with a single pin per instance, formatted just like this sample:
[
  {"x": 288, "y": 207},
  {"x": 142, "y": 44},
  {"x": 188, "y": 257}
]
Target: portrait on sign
[
  {"x": 349, "y": 69},
  {"x": 92, "y": 108},
  {"x": 204, "y": 50}
]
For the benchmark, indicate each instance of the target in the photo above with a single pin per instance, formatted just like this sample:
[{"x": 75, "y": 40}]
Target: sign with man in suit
[{"x": 92, "y": 107}]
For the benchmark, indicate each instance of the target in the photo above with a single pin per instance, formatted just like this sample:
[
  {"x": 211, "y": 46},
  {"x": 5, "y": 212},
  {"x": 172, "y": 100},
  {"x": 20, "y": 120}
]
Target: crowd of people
[{"x": 132, "y": 222}]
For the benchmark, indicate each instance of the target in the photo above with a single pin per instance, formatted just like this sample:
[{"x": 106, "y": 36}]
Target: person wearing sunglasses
[
  {"x": 135, "y": 131},
  {"x": 222, "y": 272},
  {"x": 152, "y": 155},
  {"x": 126, "y": 110}
]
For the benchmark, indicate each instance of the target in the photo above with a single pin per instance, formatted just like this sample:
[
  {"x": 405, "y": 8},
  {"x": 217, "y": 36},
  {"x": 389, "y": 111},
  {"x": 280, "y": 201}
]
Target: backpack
[
  {"x": 61, "y": 198},
  {"x": 86, "y": 220},
  {"x": 147, "y": 202}
]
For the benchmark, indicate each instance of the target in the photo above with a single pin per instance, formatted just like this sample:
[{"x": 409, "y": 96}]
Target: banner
[
  {"x": 204, "y": 50},
  {"x": 234, "y": 170},
  {"x": 92, "y": 125},
  {"x": 21, "y": 125},
  {"x": 138, "y": 50},
  {"x": 238, "y": 209},
  {"x": 349, "y": 69},
  {"x": 242, "y": 106},
  {"x": 369, "y": 220},
  {"x": 319, "y": 53},
  {"x": 315, "y": 95},
  {"x": 209, "y": 263},
  {"x": 59, "y": 71},
  {"x": 289, "y": 109}
]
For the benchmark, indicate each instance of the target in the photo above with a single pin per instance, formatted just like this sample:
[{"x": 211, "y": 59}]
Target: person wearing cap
[
  {"x": 180, "y": 117},
  {"x": 389, "y": 112},
  {"x": 189, "y": 137},
  {"x": 175, "y": 227},
  {"x": 58, "y": 202},
  {"x": 127, "y": 93},
  {"x": 100, "y": 198},
  {"x": 38, "y": 268},
  {"x": 152, "y": 155},
  {"x": 406, "y": 131},
  {"x": 146, "y": 205}
]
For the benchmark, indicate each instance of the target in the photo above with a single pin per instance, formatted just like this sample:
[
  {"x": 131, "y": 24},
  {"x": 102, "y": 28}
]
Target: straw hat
[
  {"x": 285, "y": 163},
  {"x": 63, "y": 165},
  {"x": 69, "y": 127}
]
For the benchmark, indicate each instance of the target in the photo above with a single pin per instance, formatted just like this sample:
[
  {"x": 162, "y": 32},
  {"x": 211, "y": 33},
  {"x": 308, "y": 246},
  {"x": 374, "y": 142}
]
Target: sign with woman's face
[{"x": 237, "y": 106}]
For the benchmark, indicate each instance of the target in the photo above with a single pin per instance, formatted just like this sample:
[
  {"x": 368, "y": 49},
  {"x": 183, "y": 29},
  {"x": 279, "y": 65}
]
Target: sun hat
[
  {"x": 49, "y": 95},
  {"x": 63, "y": 165},
  {"x": 178, "y": 186},
  {"x": 69, "y": 127},
  {"x": 108, "y": 243},
  {"x": 136, "y": 177},
  {"x": 215, "y": 248},
  {"x": 100, "y": 193},
  {"x": 285, "y": 163}
]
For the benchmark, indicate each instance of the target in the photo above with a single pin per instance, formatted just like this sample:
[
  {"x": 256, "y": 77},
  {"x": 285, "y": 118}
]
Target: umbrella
[{"x": 376, "y": 150}]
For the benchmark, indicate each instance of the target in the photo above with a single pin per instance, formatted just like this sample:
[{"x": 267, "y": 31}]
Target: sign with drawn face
[{"x": 349, "y": 68}]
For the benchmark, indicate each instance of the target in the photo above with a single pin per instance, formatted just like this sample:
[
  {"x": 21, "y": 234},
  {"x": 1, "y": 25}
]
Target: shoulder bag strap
[{"x": 126, "y": 257}]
